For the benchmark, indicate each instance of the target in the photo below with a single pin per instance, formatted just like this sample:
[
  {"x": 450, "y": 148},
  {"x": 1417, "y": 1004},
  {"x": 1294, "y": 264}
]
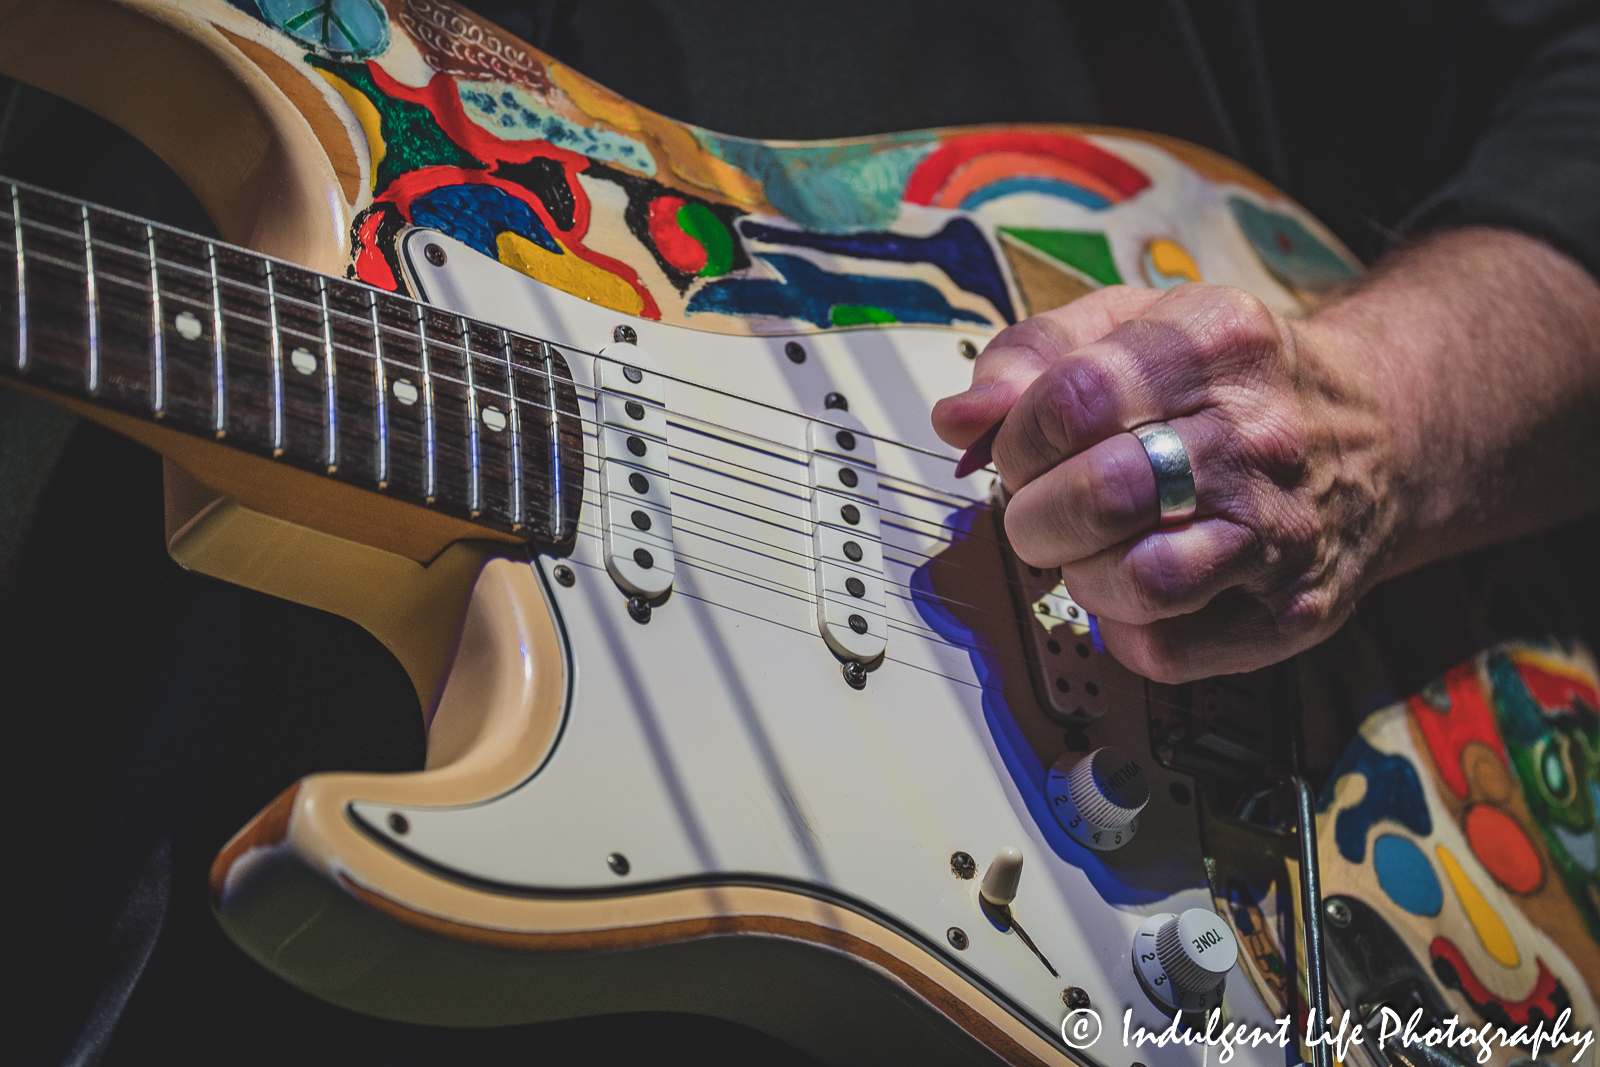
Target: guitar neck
[{"x": 327, "y": 375}]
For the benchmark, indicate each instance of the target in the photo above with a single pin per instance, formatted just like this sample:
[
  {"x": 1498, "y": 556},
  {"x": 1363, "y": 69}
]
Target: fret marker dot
[
  {"x": 405, "y": 392},
  {"x": 303, "y": 361},
  {"x": 188, "y": 326},
  {"x": 494, "y": 418}
]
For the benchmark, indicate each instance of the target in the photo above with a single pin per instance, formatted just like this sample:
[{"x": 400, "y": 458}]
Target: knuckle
[{"x": 1156, "y": 578}]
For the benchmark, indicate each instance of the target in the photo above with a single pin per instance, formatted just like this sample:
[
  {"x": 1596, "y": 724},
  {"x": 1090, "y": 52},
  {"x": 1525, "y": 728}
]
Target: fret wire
[
  {"x": 571, "y": 348},
  {"x": 546, "y": 355},
  {"x": 381, "y": 388},
  {"x": 94, "y": 304},
  {"x": 516, "y": 433},
  {"x": 428, "y": 485},
  {"x": 475, "y": 484},
  {"x": 158, "y": 341},
  {"x": 22, "y": 281},
  {"x": 220, "y": 396},
  {"x": 277, "y": 362},
  {"x": 330, "y": 377}
]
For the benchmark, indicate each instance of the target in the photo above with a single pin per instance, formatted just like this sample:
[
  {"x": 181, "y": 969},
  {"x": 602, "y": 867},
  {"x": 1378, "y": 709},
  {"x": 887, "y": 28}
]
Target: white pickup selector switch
[
  {"x": 1097, "y": 798},
  {"x": 1183, "y": 960}
]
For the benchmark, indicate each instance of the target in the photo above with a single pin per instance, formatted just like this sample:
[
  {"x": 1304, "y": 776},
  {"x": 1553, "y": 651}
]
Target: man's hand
[{"x": 1316, "y": 470}]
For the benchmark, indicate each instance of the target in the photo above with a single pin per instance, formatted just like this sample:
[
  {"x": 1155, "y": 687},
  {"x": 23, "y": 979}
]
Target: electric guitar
[{"x": 615, "y": 431}]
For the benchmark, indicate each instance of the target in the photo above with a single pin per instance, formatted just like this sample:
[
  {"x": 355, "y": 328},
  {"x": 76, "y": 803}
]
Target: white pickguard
[{"x": 720, "y": 740}]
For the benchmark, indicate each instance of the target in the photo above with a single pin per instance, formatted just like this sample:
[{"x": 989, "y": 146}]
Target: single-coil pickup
[
  {"x": 848, "y": 541},
  {"x": 630, "y": 402}
]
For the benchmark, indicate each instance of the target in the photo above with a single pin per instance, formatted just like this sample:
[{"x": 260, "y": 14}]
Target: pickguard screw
[
  {"x": 967, "y": 349},
  {"x": 855, "y": 674},
  {"x": 1338, "y": 912},
  {"x": 398, "y": 823},
  {"x": 619, "y": 864},
  {"x": 639, "y": 608},
  {"x": 957, "y": 938},
  {"x": 962, "y": 865},
  {"x": 836, "y": 402},
  {"x": 564, "y": 575},
  {"x": 795, "y": 351},
  {"x": 624, "y": 335},
  {"x": 1075, "y": 997},
  {"x": 435, "y": 255}
]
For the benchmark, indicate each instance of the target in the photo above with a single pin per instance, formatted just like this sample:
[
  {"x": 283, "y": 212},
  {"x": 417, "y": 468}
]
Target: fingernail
[{"x": 979, "y": 454}]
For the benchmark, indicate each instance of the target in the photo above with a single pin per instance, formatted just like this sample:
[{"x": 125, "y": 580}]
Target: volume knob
[
  {"x": 1183, "y": 960},
  {"x": 1097, "y": 799}
]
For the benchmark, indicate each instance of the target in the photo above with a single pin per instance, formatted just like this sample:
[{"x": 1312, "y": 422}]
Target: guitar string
[
  {"x": 1135, "y": 690},
  {"x": 901, "y": 589},
  {"x": 913, "y": 629},
  {"x": 588, "y": 393},
  {"x": 465, "y": 354},
  {"x": 314, "y": 308},
  {"x": 943, "y": 642}
]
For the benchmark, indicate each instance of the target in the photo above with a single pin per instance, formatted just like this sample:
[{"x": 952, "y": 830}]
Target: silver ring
[{"x": 1174, "y": 478}]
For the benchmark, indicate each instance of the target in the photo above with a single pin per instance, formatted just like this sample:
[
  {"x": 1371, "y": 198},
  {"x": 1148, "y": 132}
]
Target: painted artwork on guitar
[
  {"x": 1465, "y": 817},
  {"x": 460, "y": 129}
]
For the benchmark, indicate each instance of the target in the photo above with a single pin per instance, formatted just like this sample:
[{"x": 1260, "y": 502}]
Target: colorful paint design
[
  {"x": 1494, "y": 886},
  {"x": 469, "y": 131}
]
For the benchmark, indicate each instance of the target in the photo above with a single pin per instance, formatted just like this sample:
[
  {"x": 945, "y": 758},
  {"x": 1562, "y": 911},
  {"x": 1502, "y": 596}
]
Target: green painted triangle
[{"x": 1088, "y": 252}]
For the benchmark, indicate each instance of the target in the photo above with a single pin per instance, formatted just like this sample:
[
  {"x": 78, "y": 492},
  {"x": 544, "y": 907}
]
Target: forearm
[{"x": 1480, "y": 349}]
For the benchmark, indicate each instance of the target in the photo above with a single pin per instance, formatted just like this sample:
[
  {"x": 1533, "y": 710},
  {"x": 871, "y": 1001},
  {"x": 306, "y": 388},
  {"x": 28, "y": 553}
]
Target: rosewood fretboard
[{"x": 329, "y": 375}]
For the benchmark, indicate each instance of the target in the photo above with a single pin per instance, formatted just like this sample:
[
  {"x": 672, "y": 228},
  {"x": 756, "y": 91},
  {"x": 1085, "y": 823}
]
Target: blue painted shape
[
  {"x": 1287, "y": 248},
  {"x": 343, "y": 29},
  {"x": 960, "y": 250},
  {"x": 1145, "y": 885},
  {"x": 1393, "y": 792},
  {"x": 810, "y": 293},
  {"x": 829, "y": 187},
  {"x": 476, "y": 214},
  {"x": 1023, "y": 184},
  {"x": 1406, "y": 875}
]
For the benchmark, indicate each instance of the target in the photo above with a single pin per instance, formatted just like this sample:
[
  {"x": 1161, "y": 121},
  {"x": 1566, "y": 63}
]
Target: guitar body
[{"x": 716, "y": 796}]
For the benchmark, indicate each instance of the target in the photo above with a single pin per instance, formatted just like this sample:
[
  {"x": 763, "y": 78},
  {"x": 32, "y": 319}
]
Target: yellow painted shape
[
  {"x": 569, "y": 273},
  {"x": 1490, "y": 929},
  {"x": 1173, "y": 260},
  {"x": 366, "y": 114},
  {"x": 683, "y": 156}
]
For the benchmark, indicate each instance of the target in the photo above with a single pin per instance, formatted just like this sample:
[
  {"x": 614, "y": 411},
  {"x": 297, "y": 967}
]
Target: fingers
[
  {"x": 1141, "y": 372},
  {"x": 1166, "y": 573},
  {"x": 1233, "y": 634},
  {"x": 1107, "y": 494},
  {"x": 1020, "y": 353}
]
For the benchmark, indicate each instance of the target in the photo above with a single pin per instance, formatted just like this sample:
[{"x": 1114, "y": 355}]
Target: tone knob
[
  {"x": 1097, "y": 798},
  {"x": 1183, "y": 960}
]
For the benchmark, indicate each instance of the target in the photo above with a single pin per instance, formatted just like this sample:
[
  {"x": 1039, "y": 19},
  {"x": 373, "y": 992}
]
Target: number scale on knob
[{"x": 1097, "y": 798}]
